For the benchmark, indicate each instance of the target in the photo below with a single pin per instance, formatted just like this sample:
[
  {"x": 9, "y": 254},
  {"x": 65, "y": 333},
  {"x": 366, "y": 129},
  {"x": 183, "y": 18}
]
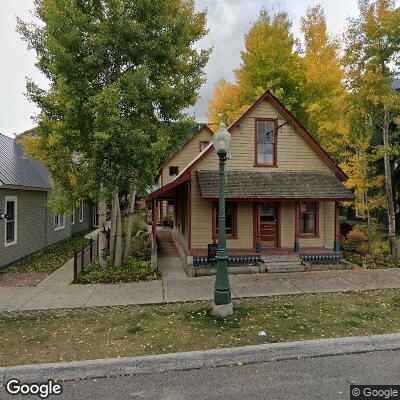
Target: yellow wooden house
[{"x": 282, "y": 191}]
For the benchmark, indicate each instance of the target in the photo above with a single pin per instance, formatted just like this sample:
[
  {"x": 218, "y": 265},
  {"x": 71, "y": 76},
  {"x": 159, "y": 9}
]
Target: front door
[{"x": 268, "y": 225}]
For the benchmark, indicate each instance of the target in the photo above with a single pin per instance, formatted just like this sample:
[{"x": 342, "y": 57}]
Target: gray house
[{"x": 30, "y": 225}]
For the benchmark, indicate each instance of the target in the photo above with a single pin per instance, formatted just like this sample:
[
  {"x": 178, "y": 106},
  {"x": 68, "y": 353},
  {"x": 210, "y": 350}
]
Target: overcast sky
[{"x": 228, "y": 21}]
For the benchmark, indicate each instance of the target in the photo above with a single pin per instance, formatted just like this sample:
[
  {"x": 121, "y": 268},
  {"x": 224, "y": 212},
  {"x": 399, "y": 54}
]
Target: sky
[{"x": 228, "y": 22}]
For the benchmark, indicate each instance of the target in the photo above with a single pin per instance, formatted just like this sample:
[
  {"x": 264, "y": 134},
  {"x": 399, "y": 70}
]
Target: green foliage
[
  {"x": 141, "y": 247},
  {"x": 120, "y": 71},
  {"x": 133, "y": 271},
  {"x": 364, "y": 239},
  {"x": 138, "y": 225}
]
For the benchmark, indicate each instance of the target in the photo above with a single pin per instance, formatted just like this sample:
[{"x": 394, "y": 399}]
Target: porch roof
[{"x": 274, "y": 185}]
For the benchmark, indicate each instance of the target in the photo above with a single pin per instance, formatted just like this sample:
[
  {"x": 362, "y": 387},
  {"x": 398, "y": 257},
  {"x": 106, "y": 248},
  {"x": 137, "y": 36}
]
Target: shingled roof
[
  {"x": 17, "y": 170},
  {"x": 274, "y": 185}
]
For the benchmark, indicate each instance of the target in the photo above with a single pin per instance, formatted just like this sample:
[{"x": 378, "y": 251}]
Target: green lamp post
[{"x": 222, "y": 290}]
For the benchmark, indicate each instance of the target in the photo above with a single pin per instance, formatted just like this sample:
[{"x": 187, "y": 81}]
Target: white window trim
[
  {"x": 59, "y": 227},
  {"x": 14, "y": 199},
  {"x": 73, "y": 217},
  {"x": 81, "y": 212}
]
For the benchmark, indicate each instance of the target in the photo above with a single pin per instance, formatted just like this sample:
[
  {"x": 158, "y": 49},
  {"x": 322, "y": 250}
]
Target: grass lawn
[
  {"x": 50, "y": 259},
  {"x": 45, "y": 336}
]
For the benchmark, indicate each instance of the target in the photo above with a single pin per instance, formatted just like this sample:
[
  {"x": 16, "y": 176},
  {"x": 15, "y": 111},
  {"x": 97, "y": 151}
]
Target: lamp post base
[{"x": 223, "y": 310}]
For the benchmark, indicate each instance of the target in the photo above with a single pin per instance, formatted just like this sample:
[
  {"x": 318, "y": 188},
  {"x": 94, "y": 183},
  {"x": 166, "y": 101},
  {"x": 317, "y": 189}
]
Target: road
[{"x": 316, "y": 378}]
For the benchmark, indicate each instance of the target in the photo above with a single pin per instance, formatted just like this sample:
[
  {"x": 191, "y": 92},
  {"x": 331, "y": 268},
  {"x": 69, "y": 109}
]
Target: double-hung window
[
  {"x": 308, "y": 216},
  {"x": 11, "y": 220},
  {"x": 230, "y": 220},
  {"x": 265, "y": 143},
  {"x": 59, "y": 221}
]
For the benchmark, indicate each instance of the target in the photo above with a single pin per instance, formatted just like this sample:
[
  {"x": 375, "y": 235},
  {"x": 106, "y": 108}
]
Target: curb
[{"x": 200, "y": 359}]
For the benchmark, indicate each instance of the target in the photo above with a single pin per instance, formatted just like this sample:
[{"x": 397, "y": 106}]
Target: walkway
[
  {"x": 177, "y": 287},
  {"x": 169, "y": 262},
  {"x": 190, "y": 289}
]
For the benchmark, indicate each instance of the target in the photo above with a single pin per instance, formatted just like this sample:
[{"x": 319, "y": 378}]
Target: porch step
[
  {"x": 281, "y": 259},
  {"x": 283, "y": 263},
  {"x": 284, "y": 268}
]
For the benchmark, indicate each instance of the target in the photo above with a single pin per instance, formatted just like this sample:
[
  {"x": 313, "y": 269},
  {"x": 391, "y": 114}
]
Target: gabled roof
[
  {"x": 297, "y": 125},
  {"x": 197, "y": 131},
  {"x": 17, "y": 170}
]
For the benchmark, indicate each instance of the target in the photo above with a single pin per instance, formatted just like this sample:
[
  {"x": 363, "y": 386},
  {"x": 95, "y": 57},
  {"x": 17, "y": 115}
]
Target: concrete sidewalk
[
  {"x": 56, "y": 293},
  {"x": 171, "y": 289}
]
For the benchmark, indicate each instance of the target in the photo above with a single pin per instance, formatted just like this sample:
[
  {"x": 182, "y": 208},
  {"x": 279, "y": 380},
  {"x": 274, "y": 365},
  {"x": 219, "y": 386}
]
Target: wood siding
[
  {"x": 31, "y": 220},
  {"x": 202, "y": 222},
  {"x": 293, "y": 152},
  {"x": 326, "y": 226},
  {"x": 35, "y": 224},
  {"x": 185, "y": 155}
]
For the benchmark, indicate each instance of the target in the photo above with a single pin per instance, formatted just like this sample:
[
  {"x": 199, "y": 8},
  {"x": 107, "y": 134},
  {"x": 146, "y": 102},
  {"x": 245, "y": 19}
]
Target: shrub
[
  {"x": 138, "y": 225},
  {"x": 133, "y": 271},
  {"x": 141, "y": 247}
]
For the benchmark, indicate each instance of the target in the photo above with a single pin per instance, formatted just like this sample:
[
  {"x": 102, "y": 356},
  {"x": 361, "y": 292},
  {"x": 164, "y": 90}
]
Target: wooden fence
[{"x": 84, "y": 255}]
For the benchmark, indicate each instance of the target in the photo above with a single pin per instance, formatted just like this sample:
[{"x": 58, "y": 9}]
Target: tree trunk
[
  {"x": 388, "y": 185},
  {"x": 368, "y": 223},
  {"x": 118, "y": 239},
  {"x": 114, "y": 212},
  {"x": 102, "y": 227},
  {"x": 128, "y": 231}
]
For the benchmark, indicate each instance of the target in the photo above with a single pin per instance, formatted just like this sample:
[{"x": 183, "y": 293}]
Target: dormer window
[
  {"x": 265, "y": 146},
  {"x": 173, "y": 171},
  {"x": 203, "y": 145}
]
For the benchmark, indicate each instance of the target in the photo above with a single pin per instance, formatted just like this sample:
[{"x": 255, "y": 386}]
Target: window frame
[
  {"x": 202, "y": 142},
  {"x": 73, "y": 217},
  {"x": 314, "y": 234},
  {"x": 169, "y": 170},
  {"x": 6, "y": 200},
  {"x": 81, "y": 212},
  {"x": 234, "y": 234},
  {"x": 58, "y": 226},
  {"x": 274, "y": 164}
]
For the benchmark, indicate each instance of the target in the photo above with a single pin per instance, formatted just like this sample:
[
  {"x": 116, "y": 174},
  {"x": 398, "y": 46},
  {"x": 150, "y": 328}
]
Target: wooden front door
[{"x": 268, "y": 224}]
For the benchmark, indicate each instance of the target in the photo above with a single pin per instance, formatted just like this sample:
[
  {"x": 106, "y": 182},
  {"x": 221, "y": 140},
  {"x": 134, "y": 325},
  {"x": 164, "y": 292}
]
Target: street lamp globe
[{"x": 222, "y": 139}]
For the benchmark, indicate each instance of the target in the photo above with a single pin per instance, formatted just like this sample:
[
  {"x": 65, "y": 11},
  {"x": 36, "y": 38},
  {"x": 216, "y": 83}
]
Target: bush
[
  {"x": 141, "y": 247},
  {"x": 133, "y": 271},
  {"x": 138, "y": 225},
  {"x": 357, "y": 239}
]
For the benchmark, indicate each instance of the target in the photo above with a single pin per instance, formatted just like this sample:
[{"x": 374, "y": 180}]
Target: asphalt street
[{"x": 315, "y": 378}]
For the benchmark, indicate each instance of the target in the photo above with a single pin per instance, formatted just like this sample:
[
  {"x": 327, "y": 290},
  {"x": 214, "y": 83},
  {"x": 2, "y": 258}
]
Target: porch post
[
  {"x": 161, "y": 205},
  {"x": 296, "y": 246},
  {"x": 153, "y": 223},
  {"x": 336, "y": 246}
]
